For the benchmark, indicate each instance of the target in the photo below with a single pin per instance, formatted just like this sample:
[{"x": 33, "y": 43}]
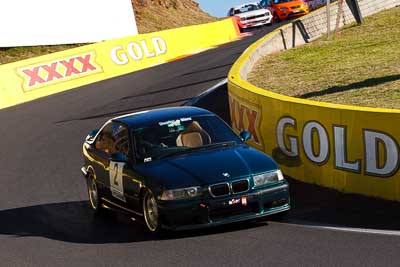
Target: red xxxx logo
[
  {"x": 60, "y": 70},
  {"x": 245, "y": 118}
]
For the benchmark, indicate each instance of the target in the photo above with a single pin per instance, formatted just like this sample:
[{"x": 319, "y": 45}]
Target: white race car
[{"x": 251, "y": 15}]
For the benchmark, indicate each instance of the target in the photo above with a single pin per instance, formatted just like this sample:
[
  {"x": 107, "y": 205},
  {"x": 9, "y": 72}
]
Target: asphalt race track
[{"x": 44, "y": 214}]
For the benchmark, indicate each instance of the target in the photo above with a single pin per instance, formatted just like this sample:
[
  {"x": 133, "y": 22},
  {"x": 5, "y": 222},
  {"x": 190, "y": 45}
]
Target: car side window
[
  {"x": 265, "y": 3},
  {"x": 121, "y": 139},
  {"x": 104, "y": 140},
  {"x": 113, "y": 138}
]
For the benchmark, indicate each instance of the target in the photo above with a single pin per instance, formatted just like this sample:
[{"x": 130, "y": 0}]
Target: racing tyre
[
  {"x": 94, "y": 195},
  {"x": 275, "y": 18},
  {"x": 150, "y": 212}
]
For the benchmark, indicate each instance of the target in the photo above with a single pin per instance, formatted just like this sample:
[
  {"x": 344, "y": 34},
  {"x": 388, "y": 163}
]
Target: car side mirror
[
  {"x": 245, "y": 135},
  {"x": 91, "y": 135},
  {"x": 118, "y": 157}
]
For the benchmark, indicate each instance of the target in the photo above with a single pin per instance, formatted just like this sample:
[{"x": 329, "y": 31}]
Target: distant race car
[
  {"x": 285, "y": 9},
  {"x": 251, "y": 15},
  {"x": 180, "y": 168},
  {"x": 314, "y": 4}
]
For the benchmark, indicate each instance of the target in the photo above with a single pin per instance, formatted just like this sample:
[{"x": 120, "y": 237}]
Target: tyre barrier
[
  {"x": 348, "y": 148},
  {"x": 37, "y": 77}
]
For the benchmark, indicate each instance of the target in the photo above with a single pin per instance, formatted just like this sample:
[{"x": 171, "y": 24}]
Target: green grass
[
  {"x": 360, "y": 66},
  {"x": 12, "y": 54}
]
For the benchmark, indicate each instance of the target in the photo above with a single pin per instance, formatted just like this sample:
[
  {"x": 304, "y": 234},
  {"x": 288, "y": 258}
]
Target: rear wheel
[
  {"x": 150, "y": 212},
  {"x": 94, "y": 195}
]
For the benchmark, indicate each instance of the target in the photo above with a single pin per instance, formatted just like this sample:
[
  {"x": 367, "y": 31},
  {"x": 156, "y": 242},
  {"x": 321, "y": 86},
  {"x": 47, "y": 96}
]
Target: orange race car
[{"x": 285, "y": 9}]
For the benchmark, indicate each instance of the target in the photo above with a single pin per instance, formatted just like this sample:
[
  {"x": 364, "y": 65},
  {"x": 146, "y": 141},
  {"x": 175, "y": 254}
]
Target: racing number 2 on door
[
  {"x": 115, "y": 175},
  {"x": 116, "y": 183}
]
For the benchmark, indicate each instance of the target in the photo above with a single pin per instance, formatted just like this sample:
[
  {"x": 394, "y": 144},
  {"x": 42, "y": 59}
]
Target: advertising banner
[
  {"x": 37, "y": 77},
  {"x": 350, "y": 149}
]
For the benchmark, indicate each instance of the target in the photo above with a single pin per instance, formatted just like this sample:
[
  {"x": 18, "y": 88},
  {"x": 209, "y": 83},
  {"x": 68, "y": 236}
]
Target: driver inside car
[{"x": 193, "y": 136}]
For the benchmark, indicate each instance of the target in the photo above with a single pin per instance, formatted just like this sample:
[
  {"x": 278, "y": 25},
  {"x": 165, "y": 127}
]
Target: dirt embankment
[{"x": 156, "y": 15}]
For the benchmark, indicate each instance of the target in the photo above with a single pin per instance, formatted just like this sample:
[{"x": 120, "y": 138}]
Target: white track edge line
[{"x": 316, "y": 225}]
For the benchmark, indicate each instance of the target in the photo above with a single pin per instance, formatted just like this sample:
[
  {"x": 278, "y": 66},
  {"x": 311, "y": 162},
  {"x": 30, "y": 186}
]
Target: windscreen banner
[{"x": 51, "y": 22}]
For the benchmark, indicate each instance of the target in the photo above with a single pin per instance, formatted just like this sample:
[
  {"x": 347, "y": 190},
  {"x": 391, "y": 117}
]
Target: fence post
[
  {"x": 355, "y": 10},
  {"x": 328, "y": 19}
]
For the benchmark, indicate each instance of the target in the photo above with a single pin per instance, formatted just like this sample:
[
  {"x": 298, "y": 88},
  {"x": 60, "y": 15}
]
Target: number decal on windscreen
[{"x": 116, "y": 184}]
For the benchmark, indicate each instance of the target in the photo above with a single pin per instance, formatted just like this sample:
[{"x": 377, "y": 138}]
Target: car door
[
  {"x": 124, "y": 186},
  {"x": 119, "y": 145},
  {"x": 108, "y": 172},
  {"x": 118, "y": 182},
  {"x": 101, "y": 152},
  {"x": 133, "y": 182}
]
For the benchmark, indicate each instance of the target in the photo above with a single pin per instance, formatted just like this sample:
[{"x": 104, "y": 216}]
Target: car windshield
[
  {"x": 181, "y": 135},
  {"x": 283, "y": 1},
  {"x": 247, "y": 8}
]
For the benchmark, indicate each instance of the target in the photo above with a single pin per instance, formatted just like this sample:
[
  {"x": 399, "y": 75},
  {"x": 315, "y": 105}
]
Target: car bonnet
[
  {"x": 207, "y": 167},
  {"x": 252, "y": 13}
]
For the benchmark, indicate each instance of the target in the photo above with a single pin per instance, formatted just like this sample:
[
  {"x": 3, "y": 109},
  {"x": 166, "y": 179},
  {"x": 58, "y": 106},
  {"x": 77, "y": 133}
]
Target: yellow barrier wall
[
  {"x": 348, "y": 148},
  {"x": 41, "y": 76}
]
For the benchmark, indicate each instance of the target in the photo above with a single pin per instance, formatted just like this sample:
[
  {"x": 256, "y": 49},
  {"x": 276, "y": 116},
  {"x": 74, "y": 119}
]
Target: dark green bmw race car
[{"x": 180, "y": 168}]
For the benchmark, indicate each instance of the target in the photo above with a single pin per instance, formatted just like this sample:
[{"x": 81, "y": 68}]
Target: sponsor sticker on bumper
[{"x": 242, "y": 200}]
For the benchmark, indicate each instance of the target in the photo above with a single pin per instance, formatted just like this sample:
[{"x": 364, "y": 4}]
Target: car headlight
[
  {"x": 182, "y": 193},
  {"x": 242, "y": 18},
  {"x": 267, "y": 177},
  {"x": 283, "y": 8},
  {"x": 267, "y": 14}
]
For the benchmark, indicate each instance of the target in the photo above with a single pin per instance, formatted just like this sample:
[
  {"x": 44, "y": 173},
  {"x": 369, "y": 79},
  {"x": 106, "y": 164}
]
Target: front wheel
[
  {"x": 150, "y": 212},
  {"x": 276, "y": 18}
]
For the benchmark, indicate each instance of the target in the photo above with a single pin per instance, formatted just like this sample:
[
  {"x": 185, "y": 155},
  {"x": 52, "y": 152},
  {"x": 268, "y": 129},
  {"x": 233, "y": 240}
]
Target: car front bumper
[
  {"x": 256, "y": 23},
  {"x": 294, "y": 13},
  {"x": 194, "y": 214}
]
